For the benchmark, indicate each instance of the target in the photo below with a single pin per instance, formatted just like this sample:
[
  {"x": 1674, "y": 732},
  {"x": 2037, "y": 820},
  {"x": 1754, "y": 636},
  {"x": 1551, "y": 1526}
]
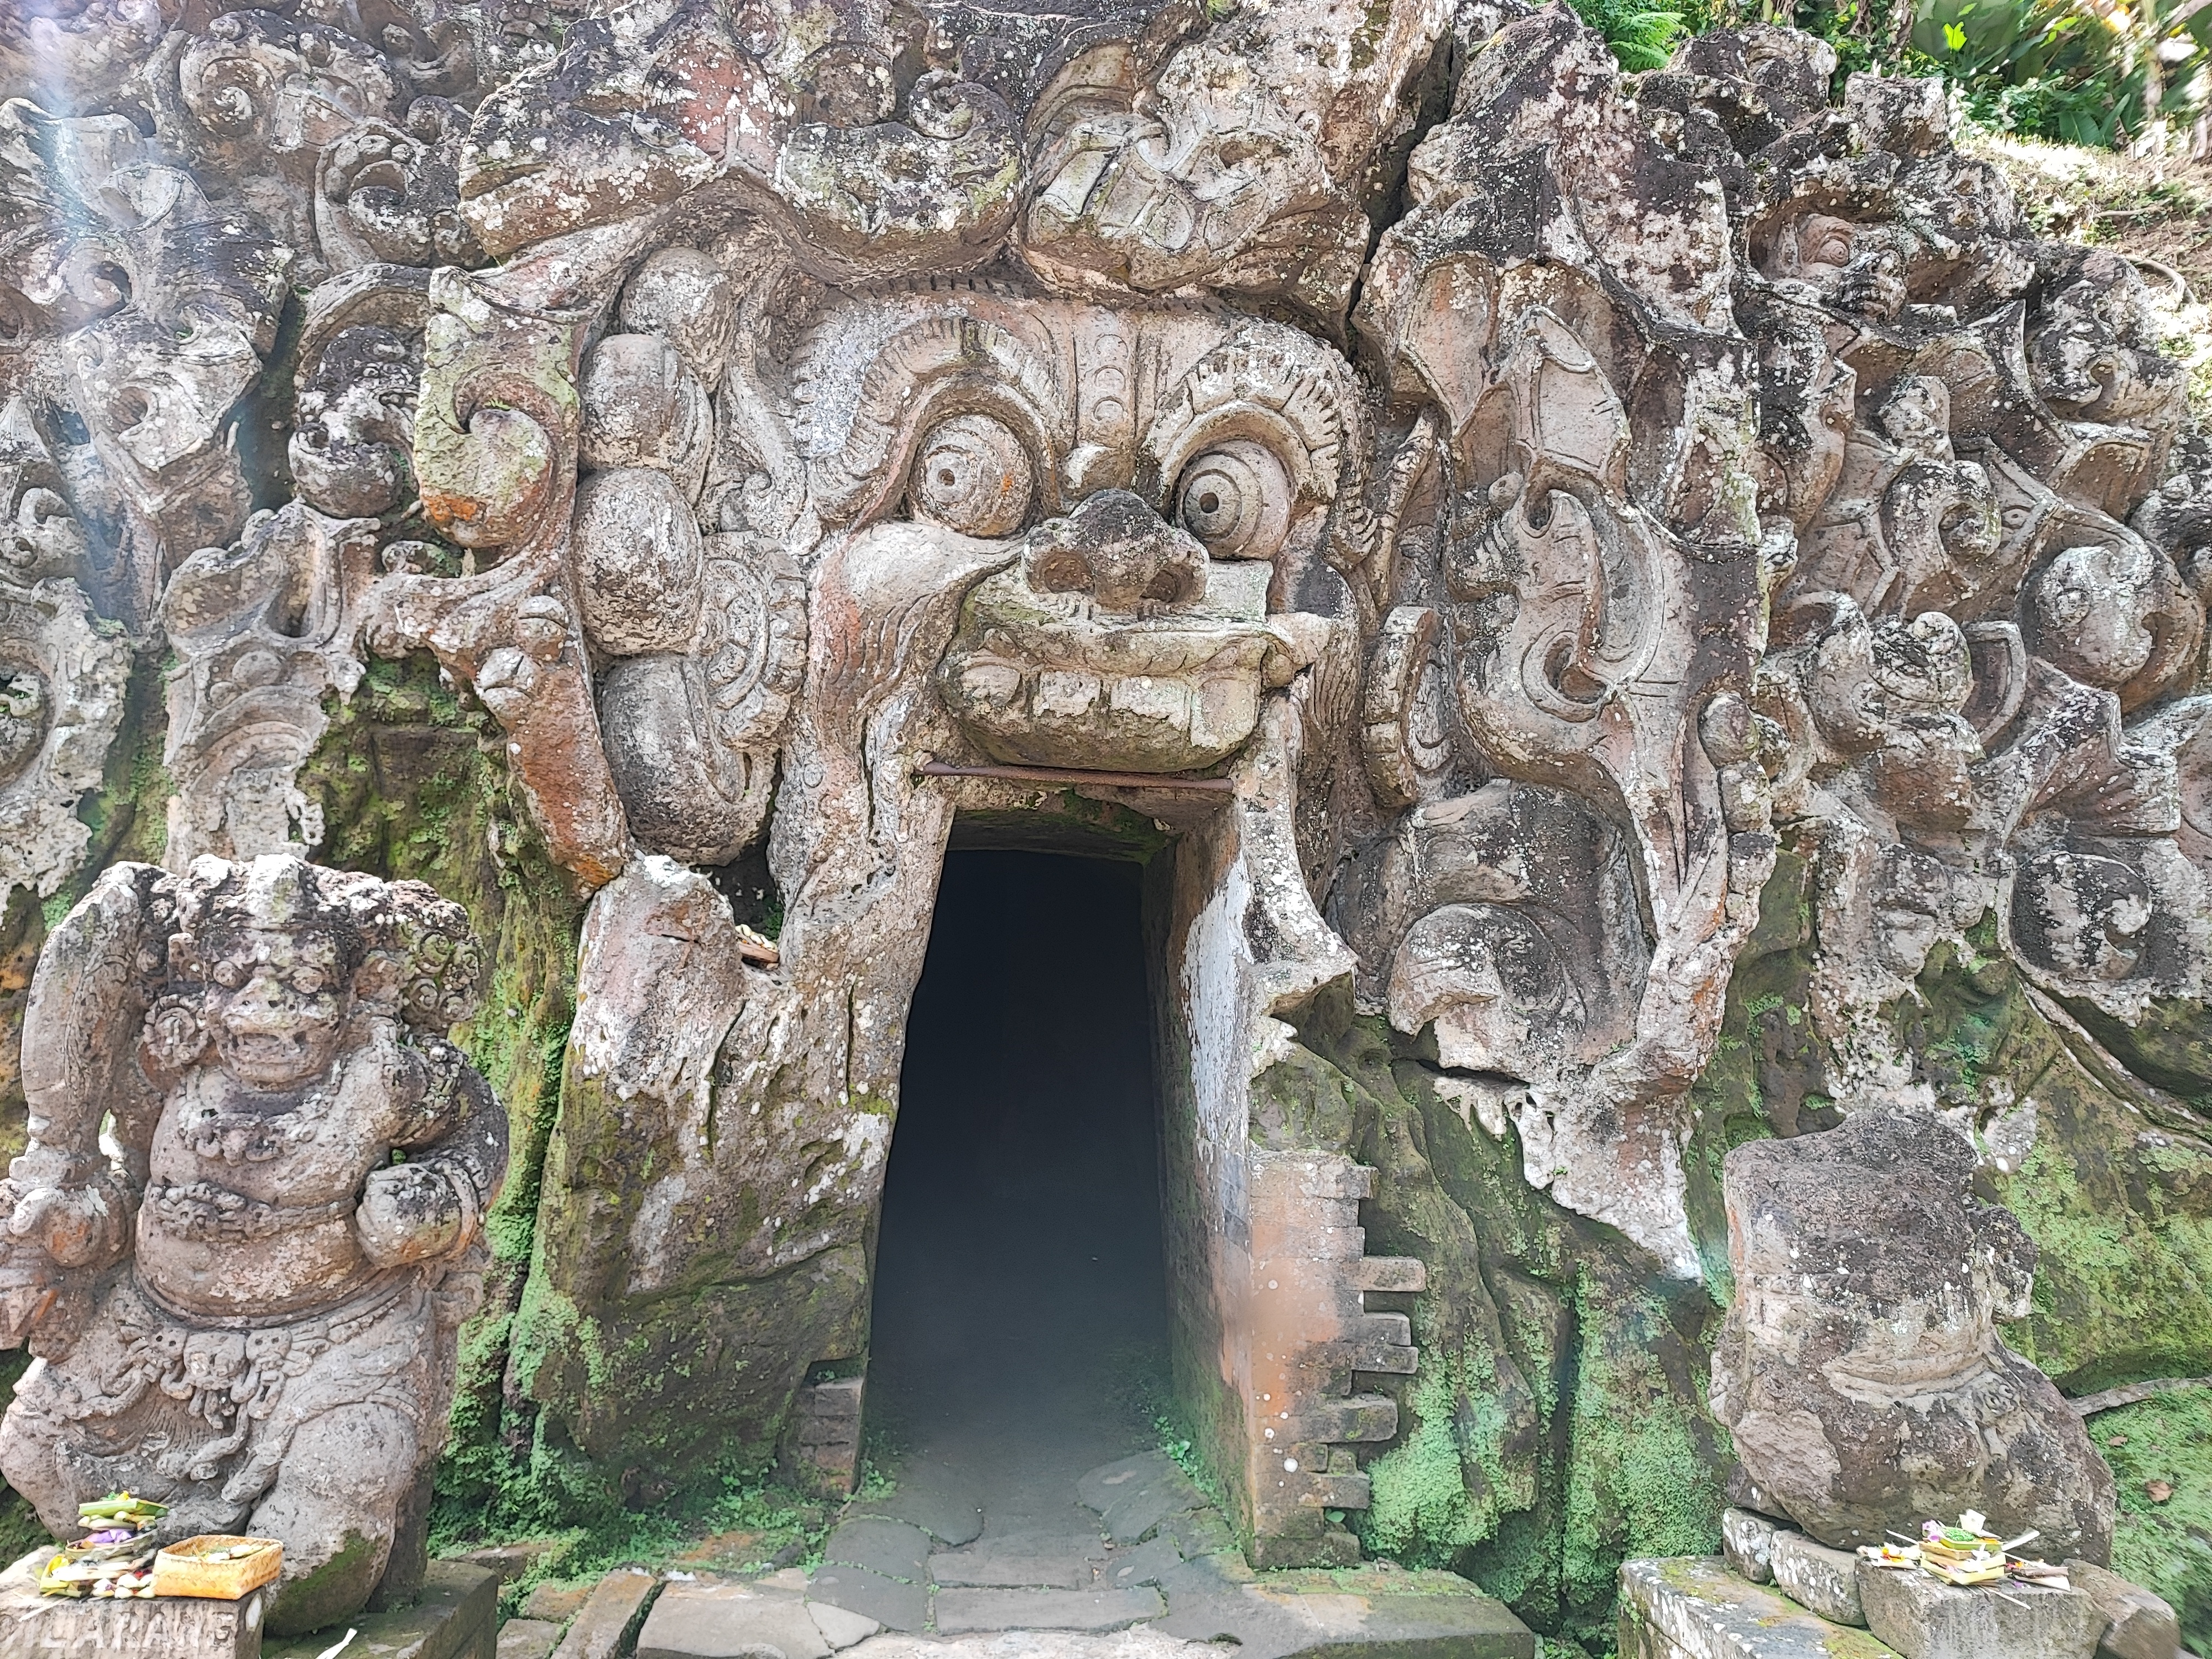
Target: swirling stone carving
[{"x": 1626, "y": 601}]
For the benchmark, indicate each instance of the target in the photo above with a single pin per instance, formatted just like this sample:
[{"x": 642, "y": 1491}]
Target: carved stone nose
[{"x": 1115, "y": 547}]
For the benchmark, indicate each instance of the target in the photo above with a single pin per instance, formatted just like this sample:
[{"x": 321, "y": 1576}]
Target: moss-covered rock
[
  {"x": 1557, "y": 1425},
  {"x": 411, "y": 781},
  {"x": 2161, "y": 1450},
  {"x": 2115, "y": 1188}
]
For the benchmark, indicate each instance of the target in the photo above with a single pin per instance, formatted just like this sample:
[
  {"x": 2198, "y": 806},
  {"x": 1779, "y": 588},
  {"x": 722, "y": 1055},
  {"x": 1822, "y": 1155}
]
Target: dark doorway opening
[{"x": 1020, "y": 1317}]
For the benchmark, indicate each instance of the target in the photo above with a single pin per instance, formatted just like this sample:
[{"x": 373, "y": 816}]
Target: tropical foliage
[{"x": 2115, "y": 74}]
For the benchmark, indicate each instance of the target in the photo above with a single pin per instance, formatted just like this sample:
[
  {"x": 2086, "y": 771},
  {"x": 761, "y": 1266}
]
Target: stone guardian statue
[{"x": 249, "y": 1219}]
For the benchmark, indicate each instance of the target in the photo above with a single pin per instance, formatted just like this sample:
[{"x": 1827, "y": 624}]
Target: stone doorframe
[{"x": 705, "y": 1233}]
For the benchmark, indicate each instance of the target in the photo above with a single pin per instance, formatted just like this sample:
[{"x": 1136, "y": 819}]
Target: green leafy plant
[
  {"x": 1182, "y": 1451},
  {"x": 2101, "y": 73},
  {"x": 1641, "y": 37}
]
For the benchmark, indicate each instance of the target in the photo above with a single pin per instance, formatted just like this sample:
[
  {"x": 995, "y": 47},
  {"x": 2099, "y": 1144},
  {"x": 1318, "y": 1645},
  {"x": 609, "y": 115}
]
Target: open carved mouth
[
  {"x": 269, "y": 1056},
  {"x": 1048, "y": 678}
]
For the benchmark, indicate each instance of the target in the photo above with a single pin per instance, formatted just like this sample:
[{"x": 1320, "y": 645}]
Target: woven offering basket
[{"x": 183, "y": 1568}]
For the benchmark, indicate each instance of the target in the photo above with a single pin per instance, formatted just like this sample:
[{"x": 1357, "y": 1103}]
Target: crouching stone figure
[
  {"x": 247, "y": 1223},
  {"x": 1861, "y": 1371}
]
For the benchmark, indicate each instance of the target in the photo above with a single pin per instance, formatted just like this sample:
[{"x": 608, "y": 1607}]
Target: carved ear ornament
[
  {"x": 174, "y": 1037},
  {"x": 1574, "y": 670},
  {"x": 495, "y": 426}
]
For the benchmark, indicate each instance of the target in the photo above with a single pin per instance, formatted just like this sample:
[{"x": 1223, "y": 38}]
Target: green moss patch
[{"x": 2161, "y": 1451}]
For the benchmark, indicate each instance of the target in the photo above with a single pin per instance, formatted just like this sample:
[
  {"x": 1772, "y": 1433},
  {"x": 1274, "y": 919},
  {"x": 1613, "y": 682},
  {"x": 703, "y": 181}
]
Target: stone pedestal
[
  {"x": 1924, "y": 1619},
  {"x": 35, "y": 1626}
]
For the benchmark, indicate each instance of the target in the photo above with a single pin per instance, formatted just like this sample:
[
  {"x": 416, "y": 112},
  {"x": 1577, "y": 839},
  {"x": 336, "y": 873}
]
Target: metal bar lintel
[{"x": 1069, "y": 775}]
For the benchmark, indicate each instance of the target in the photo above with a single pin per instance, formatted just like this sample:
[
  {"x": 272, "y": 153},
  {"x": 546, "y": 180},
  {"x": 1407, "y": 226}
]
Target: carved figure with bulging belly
[{"x": 270, "y": 1348}]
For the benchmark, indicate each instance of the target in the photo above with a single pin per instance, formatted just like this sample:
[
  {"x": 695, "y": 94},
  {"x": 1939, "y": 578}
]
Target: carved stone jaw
[{"x": 1114, "y": 645}]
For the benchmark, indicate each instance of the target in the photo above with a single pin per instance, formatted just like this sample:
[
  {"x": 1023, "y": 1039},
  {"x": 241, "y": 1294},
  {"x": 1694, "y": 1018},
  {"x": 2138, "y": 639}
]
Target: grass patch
[{"x": 755, "y": 1527}]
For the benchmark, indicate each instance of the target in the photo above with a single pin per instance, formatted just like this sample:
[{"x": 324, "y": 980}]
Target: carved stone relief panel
[{"x": 1515, "y": 527}]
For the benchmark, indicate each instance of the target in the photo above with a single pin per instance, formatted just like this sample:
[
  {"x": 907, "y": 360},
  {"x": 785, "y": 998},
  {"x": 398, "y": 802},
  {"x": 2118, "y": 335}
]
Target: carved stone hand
[{"x": 409, "y": 1213}]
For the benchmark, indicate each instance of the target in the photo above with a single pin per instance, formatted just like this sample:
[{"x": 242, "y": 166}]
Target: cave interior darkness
[{"x": 1020, "y": 1315}]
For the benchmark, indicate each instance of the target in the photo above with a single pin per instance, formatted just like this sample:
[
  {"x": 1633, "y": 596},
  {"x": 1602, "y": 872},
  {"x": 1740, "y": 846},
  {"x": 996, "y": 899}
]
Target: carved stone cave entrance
[{"x": 1019, "y": 1286}]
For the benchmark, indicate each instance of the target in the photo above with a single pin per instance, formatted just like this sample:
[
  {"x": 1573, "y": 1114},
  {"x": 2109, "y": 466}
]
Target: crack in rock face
[{"x": 1622, "y": 603}]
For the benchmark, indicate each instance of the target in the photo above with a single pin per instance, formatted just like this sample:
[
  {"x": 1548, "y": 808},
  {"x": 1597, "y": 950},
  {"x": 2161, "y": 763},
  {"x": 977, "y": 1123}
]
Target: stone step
[
  {"x": 608, "y": 1621},
  {"x": 1340, "y": 1612},
  {"x": 718, "y": 1621},
  {"x": 1387, "y": 1273},
  {"x": 1693, "y": 1608},
  {"x": 527, "y": 1639},
  {"x": 959, "y": 1611},
  {"x": 457, "y": 1617},
  {"x": 1010, "y": 1565},
  {"x": 554, "y": 1603}
]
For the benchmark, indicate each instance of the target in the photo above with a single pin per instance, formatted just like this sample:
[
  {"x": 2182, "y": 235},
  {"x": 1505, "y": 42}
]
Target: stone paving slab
[
  {"x": 1133, "y": 1495},
  {"x": 840, "y": 1628},
  {"x": 941, "y": 1506},
  {"x": 895, "y": 1549},
  {"x": 456, "y": 1618},
  {"x": 1693, "y": 1608},
  {"x": 1145, "y": 1565},
  {"x": 959, "y": 1611},
  {"x": 729, "y": 1622},
  {"x": 527, "y": 1639},
  {"x": 890, "y": 1603}
]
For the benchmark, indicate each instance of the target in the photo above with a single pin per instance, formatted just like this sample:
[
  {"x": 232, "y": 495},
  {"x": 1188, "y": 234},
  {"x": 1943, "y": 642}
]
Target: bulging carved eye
[
  {"x": 1236, "y": 499},
  {"x": 973, "y": 475}
]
